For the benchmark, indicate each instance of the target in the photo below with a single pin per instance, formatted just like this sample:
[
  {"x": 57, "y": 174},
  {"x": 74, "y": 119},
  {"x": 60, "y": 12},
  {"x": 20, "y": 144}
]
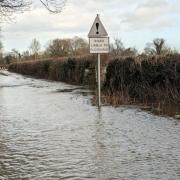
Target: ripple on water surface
[{"x": 47, "y": 134}]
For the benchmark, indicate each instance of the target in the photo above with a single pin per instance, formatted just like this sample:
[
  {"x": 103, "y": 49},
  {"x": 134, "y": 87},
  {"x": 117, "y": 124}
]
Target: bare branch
[
  {"x": 10, "y": 7},
  {"x": 54, "y": 6}
]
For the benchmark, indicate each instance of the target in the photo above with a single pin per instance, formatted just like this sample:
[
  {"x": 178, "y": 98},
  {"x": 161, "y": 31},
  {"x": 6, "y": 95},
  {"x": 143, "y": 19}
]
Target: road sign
[
  {"x": 98, "y": 37},
  {"x": 97, "y": 29},
  {"x": 99, "y": 43}
]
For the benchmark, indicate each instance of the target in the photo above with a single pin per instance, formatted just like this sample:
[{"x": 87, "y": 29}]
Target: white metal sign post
[{"x": 99, "y": 44}]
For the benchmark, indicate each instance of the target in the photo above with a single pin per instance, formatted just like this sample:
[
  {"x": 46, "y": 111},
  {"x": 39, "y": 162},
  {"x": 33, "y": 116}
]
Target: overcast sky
[{"x": 135, "y": 22}]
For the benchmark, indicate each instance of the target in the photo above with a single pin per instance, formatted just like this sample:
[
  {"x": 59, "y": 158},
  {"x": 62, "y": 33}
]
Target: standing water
[{"x": 48, "y": 133}]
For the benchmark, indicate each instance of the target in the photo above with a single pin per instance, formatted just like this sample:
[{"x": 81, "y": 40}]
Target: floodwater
[{"x": 47, "y": 133}]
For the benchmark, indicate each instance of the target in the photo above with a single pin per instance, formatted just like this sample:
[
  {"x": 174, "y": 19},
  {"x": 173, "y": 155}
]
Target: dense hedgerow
[
  {"x": 70, "y": 70},
  {"x": 131, "y": 79},
  {"x": 146, "y": 80}
]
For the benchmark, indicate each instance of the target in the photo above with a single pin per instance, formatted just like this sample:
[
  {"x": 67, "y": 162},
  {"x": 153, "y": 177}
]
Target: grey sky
[{"x": 135, "y": 22}]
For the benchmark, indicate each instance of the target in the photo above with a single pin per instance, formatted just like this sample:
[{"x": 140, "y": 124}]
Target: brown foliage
[
  {"x": 147, "y": 79},
  {"x": 70, "y": 70},
  {"x": 143, "y": 79}
]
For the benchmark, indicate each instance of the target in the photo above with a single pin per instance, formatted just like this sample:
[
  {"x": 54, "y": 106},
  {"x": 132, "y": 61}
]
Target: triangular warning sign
[{"x": 97, "y": 29}]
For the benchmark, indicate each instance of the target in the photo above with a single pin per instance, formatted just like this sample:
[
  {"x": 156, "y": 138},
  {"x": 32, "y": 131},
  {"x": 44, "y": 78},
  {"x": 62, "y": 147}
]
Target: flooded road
[{"x": 47, "y": 133}]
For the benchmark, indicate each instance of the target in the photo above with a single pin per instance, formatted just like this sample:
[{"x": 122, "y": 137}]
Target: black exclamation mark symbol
[{"x": 97, "y": 28}]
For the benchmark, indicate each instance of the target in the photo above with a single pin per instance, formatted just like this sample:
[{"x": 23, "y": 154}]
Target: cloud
[
  {"x": 77, "y": 16},
  {"x": 154, "y": 14},
  {"x": 120, "y": 17},
  {"x": 41, "y": 21}
]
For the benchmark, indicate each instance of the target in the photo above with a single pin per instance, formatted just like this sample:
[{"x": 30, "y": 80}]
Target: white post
[{"x": 99, "y": 80}]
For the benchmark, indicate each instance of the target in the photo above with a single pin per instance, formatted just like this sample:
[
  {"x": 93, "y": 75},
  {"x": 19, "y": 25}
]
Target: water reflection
[
  {"x": 100, "y": 147},
  {"x": 45, "y": 134}
]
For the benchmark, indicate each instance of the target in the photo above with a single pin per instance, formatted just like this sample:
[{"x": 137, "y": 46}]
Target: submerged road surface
[{"x": 47, "y": 133}]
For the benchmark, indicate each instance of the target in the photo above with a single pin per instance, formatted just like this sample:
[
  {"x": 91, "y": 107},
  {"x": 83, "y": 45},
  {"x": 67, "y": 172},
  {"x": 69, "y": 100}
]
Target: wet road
[{"x": 48, "y": 134}]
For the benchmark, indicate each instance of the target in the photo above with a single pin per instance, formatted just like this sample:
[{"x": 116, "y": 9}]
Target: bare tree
[
  {"x": 79, "y": 46},
  {"x": 157, "y": 47},
  {"x": 59, "y": 48},
  {"x": 117, "y": 47},
  {"x": 149, "y": 49},
  {"x": 26, "y": 55},
  {"x": 35, "y": 48},
  {"x": 9, "y": 7},
  {"x": 67, "y": 47},
  {"x": 17, "y": 54}
]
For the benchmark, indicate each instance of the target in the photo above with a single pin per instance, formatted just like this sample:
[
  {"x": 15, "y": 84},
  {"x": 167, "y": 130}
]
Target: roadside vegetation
[
  {"x": 76, "y": 70},
  {"x": 129, "y": 77},
  {"x": 143, "y": 79}
]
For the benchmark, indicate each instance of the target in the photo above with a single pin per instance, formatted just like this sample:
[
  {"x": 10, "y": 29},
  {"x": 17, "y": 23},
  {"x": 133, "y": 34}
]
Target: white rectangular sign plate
[{"x": 99, "y": 45}]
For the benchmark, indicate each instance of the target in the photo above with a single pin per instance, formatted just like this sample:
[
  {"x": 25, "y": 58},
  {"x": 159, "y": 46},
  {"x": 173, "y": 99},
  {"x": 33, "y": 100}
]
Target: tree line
[
  {"x": 66, "y": 47},
  {"x": 158, "y": 46},
  {"x": 78, "y": 46},
  {"x": 56, "y": 48}
]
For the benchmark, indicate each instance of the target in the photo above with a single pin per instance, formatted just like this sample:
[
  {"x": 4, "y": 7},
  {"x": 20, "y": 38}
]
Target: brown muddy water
[{"x": 48, "y": 132}]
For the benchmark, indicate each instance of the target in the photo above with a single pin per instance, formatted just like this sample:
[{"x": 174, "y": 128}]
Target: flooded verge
[
  {"x": 46, "y": 133},
  {"x": 151, "y": 81},
  {"x": 171, "y": 110}
]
